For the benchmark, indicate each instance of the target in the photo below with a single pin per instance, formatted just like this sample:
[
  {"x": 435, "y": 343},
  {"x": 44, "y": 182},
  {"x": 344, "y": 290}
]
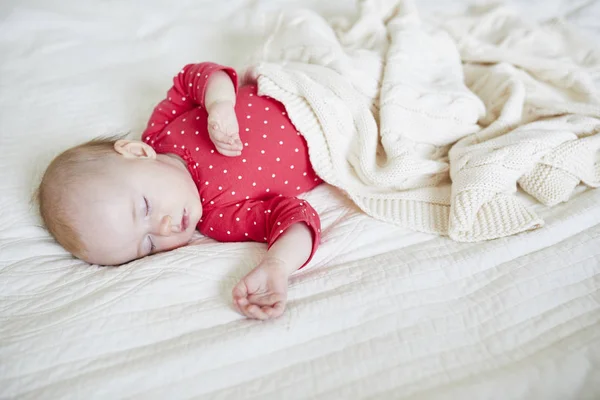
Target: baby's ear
[{"x": 134, "y": 149}]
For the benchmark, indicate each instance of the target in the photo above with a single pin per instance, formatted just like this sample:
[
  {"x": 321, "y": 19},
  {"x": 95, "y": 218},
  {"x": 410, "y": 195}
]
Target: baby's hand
[
  {"x": 262, "y": 294},
  {"x": 223, "y": 129}
]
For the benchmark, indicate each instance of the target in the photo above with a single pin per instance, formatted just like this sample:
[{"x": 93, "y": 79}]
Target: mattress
[{"x": 381, "y": 312}]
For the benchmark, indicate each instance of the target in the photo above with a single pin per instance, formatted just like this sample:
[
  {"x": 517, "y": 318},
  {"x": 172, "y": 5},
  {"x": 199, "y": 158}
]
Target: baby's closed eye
[{"x": 147, "y": 208}]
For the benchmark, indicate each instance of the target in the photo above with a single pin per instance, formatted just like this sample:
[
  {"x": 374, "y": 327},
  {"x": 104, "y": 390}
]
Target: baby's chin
[
  {"x": 190, "y": 235},
  {"x": 102, "y": 260},
  {"x": 196, "y": 237}
]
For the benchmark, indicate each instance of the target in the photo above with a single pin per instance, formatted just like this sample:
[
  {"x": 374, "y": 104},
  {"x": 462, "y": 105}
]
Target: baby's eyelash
[
  {"x": 147, "y": 206},
  {"x": 152, "y": 246}
]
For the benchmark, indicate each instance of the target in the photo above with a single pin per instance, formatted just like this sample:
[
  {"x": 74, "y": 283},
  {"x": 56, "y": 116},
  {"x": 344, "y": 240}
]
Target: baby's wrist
[
  {"x": 279, "y": 264},
  {"x": 219, "y": 105}
]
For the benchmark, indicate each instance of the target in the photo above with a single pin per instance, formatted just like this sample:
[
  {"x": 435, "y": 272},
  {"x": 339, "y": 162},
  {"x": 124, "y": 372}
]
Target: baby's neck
[{"x": 174, "y": 159}]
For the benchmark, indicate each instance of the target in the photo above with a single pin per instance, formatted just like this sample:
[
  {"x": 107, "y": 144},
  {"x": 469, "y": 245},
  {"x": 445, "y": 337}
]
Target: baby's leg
[{"x": 262, "y": 294}]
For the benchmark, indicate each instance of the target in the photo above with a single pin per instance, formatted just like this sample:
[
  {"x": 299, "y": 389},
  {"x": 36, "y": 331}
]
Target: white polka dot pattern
[{"x": 243, "y": 197}]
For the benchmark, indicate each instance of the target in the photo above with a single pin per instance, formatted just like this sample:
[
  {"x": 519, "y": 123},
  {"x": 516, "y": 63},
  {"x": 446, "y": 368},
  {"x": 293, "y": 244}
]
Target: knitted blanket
[{"x": 433, "y": 125}]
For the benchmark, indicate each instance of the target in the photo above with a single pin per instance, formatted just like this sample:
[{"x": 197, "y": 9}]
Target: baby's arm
[
  {"x": 292, "y": 229},
  {"x": 292, "y": 249},
  {"x": 192, "y": 87},
  {"x": 262, "y": 294},
  {"x": 219, "y": 89},
  {"x": 219, "y": 101}
]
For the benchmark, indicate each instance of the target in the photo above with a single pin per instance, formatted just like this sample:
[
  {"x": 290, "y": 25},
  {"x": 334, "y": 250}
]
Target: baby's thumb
[{"x": 240, "y": 290}]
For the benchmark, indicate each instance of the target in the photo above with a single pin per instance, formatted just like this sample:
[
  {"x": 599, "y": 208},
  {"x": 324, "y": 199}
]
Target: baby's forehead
[
  {"x": 108, "y": 174},
  {"x": 92, "y": 189},
  {"x": 105, "y": 221},
  {"x": 98, "y": 191}
]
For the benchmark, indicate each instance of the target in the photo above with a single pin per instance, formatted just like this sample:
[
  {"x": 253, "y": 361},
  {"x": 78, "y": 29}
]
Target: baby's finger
[
  {"x": 224, "y": 135},
  {"x": 221, "y": 146},
  {"x": 276, "y": 310},
  {"x": 227, "y": 146},
  {"x": 246, "y": 313},
  {"x": 237, "y": 307},
  {"x": 230, "y": 143},
  {"x": 239, "y": 293},
  {"x": 263, "y": 300},
  {"x": 255, "y": 312},
  {"x": 243, "y": 302},
  {"x": 222, "y": 130},
  {"x": 240, "y": 290},
  {"x": 241, "y": 306},
  {"x": 229, "y": 153},
  {"x": 225, "y": 140}
]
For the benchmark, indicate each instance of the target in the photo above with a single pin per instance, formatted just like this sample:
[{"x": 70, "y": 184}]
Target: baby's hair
[{"x": 62, "y": 176}]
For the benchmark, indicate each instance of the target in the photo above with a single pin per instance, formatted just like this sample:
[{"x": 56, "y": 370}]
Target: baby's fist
[{"x": 223, "y": 129}]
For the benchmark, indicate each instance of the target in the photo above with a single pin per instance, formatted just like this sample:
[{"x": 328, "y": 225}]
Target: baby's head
[{"x": 111, "y": 201}]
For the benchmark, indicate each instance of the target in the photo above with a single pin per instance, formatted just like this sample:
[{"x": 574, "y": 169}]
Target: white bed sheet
[{"x": 381, "y": 312}]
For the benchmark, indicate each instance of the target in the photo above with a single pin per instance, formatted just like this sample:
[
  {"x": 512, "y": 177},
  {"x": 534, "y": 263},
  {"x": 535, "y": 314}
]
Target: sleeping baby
[{"x": 214, "y": 157}]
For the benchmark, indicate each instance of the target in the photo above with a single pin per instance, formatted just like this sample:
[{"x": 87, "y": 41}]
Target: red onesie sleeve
[
  {"x": 187, "y": 93},
  {"x": 260, "y": 221}
]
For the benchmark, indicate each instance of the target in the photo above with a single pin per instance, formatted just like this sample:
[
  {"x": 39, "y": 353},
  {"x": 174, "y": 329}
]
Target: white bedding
[{"x": 380, "y": 312}]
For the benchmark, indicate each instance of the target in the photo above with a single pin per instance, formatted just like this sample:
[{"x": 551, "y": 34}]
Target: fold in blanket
[{"x": 432, "y": 125}]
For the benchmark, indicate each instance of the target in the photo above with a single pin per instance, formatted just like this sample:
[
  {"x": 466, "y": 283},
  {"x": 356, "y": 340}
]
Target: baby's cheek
[{"x": 174, "y": 242}]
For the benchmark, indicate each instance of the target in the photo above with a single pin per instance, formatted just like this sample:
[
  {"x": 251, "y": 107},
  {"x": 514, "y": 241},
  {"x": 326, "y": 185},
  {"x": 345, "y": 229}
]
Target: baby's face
[{"x": 140, "y": 206}]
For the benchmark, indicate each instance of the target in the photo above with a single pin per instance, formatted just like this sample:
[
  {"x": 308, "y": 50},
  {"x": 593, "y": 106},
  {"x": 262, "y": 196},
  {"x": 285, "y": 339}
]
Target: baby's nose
[{"x": 165, "y": 226}]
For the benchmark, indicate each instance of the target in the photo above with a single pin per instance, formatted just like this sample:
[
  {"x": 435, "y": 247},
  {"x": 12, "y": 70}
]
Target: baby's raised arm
[
  {"x": 207, "y": 85},
  {"x": 223, "y": 127},
  {"x": 219, "y": 89}
]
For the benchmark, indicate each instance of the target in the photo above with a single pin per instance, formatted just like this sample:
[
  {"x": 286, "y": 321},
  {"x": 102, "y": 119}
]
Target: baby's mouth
[{"x": 185, "y": 221}]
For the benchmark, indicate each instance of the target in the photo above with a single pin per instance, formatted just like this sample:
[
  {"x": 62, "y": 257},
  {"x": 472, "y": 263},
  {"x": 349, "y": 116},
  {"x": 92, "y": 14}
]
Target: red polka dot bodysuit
[{"x": 250, "y": 197}]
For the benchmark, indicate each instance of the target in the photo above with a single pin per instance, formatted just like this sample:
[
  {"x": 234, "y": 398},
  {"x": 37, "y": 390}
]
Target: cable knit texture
[{"x": 432, "y": 125}]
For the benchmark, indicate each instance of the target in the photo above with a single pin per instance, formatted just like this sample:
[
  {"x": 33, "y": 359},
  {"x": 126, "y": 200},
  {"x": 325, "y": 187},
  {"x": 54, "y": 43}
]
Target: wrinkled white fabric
[{"x": 432, "y": 125}]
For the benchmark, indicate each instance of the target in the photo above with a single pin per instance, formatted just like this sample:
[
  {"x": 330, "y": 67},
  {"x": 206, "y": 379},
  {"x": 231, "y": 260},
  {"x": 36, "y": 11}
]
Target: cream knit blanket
[{"x": 432, "y": 125}]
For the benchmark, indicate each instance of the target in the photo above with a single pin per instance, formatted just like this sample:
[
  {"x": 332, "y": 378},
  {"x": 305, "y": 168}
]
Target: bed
[{"x": 381, "y": 311}]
